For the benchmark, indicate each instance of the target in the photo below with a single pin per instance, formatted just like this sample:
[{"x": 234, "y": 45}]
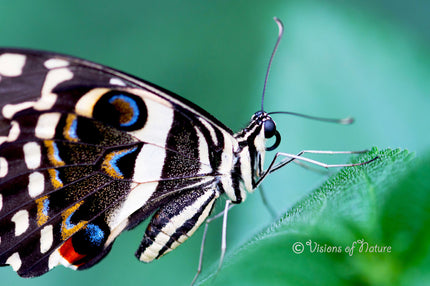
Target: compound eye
[
  {"x": 269, "y": 128},
  {"x": 269, "y": 132}
]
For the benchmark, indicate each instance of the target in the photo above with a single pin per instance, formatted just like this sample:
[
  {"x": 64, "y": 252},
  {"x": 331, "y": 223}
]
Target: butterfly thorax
[{"x": 249, "y": 158}]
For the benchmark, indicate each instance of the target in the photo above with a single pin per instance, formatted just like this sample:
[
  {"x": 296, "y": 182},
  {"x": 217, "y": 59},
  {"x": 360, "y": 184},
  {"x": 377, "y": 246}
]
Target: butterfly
[{"x": 87, "y": 152}]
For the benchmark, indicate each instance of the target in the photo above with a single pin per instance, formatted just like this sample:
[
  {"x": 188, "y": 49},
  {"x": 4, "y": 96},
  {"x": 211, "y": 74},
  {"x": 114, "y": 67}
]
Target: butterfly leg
[
  {"x": 269, "y": 208},
  {"x": 292, "y": 157},
  {"x": 224, "y": 213}
]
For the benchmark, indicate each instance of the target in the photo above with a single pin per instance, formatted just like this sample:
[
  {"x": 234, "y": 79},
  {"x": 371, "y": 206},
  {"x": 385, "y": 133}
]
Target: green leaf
[{"x": 367, "y": 225}]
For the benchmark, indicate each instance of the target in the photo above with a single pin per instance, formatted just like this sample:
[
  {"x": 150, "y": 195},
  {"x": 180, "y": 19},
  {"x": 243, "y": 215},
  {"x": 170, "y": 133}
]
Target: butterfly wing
[{"x": 87, "y": 152}]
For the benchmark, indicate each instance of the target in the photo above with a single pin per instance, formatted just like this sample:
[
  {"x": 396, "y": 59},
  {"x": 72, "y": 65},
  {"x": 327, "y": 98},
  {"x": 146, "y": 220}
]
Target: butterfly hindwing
[{"x": 87, "y": 152}]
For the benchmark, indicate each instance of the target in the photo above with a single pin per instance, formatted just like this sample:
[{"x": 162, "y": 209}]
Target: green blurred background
[{"x": 367, "y": 59}]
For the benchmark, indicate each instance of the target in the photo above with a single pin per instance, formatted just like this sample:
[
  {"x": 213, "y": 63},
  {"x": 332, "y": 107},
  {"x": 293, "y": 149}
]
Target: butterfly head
[
  {"x": 268, "y": 129},
  {"x": 261, "y": 129},
  {"x": 250, "y": 155}
]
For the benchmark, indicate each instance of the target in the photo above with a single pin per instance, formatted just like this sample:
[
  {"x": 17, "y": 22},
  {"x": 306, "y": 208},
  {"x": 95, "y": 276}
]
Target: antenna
[
  {"x": 344, "y": 121},
  {"x": 280, "y": 32}
]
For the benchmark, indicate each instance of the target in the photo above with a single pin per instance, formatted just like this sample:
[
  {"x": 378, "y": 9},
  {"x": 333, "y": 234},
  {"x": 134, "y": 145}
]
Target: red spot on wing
[{"x": 67, "y": 251}]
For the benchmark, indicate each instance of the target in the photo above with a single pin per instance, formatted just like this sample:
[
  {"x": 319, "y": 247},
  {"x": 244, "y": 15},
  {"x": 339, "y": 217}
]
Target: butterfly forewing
[{"x": 87, "y": 152}]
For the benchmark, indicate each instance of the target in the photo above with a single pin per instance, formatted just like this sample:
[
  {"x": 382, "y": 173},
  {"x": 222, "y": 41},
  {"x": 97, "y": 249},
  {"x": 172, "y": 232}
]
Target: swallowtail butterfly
[{"x": 87, "y": 152}]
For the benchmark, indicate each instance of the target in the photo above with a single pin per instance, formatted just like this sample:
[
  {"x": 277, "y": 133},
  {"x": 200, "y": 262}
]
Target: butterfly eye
[
  {"x": 269, "y": 128},
  {"x": 269, "y": 132}
]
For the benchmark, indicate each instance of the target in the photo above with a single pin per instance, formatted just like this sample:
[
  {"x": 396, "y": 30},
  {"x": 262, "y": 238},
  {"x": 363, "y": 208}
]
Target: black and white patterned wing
[{"x": 87, "y": 152}]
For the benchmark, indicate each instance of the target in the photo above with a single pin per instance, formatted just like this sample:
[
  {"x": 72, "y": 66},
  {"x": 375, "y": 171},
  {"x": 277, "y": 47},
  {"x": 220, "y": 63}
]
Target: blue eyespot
[
  {"x": 94, "y": 234},
  {"x": 127, "y": 107},
  {"x": 122, "y": 110}
]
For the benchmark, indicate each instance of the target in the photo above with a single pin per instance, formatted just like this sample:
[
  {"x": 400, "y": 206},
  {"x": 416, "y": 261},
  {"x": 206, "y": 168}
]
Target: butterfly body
[{"x": 87, "y": 152}]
